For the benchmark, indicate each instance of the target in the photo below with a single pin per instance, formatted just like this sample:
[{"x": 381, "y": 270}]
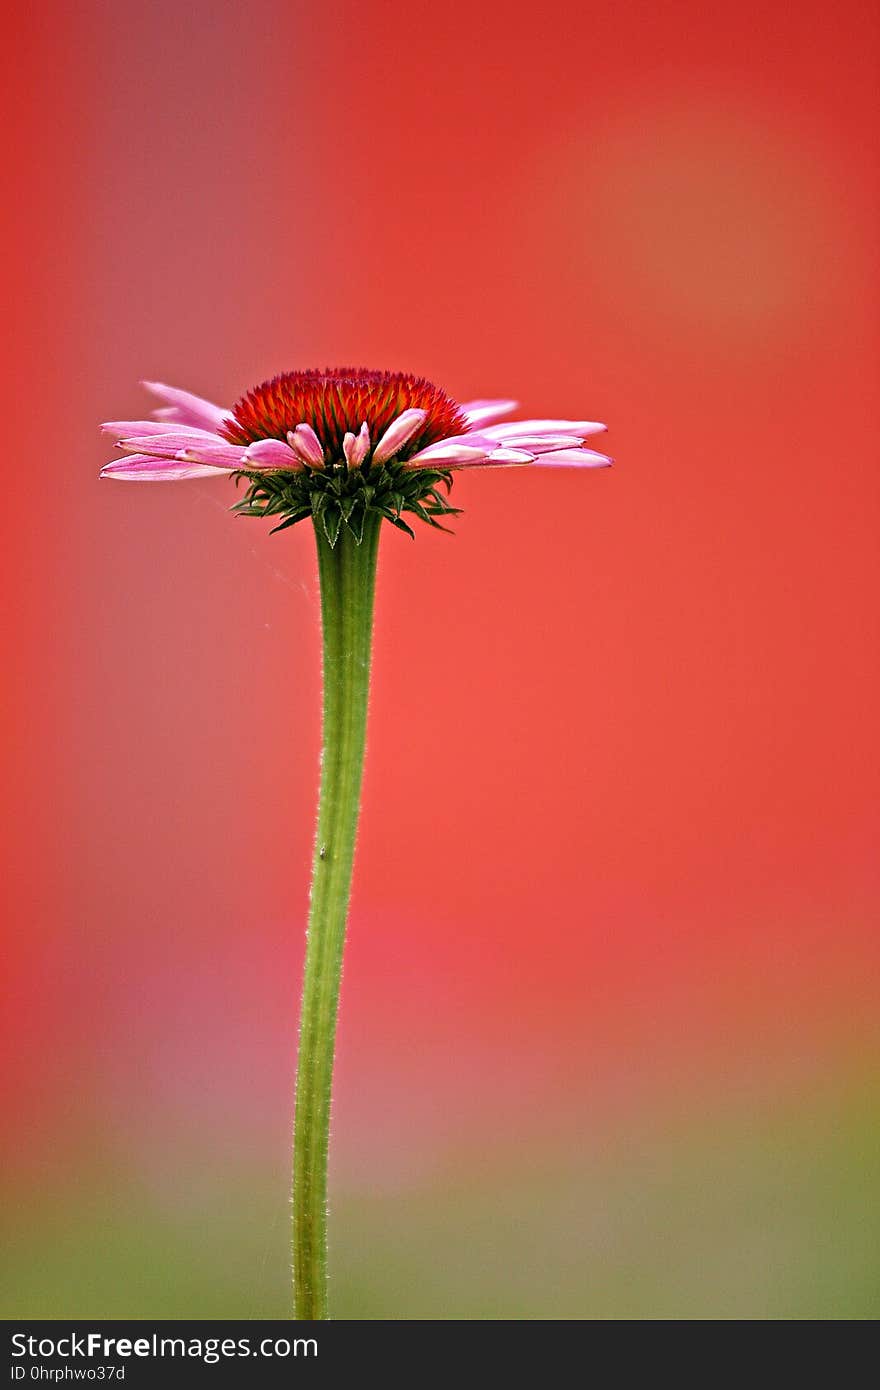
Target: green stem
[{"x": 347, "y": 574}]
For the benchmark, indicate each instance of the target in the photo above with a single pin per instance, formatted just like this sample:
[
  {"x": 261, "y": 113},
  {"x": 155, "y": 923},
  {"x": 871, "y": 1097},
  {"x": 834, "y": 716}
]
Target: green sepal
[
  {"x": 356, "y": 523},
  {"x": 337, "y": 496},
  {"x": 331, "y": 521},
  {"x": 289, "y": 520}
]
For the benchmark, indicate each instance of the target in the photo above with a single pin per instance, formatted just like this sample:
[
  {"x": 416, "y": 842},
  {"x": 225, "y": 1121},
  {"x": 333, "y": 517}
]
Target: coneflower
[{"x": 349, "y": 448}]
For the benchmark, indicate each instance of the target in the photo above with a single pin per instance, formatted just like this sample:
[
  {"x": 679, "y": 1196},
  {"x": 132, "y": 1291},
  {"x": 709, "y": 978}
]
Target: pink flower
[{"x": 343, "y": 418}]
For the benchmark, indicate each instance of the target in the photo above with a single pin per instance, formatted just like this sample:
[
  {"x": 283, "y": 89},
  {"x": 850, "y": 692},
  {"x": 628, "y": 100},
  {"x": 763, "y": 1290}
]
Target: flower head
[{"x": 338, "y": 443}]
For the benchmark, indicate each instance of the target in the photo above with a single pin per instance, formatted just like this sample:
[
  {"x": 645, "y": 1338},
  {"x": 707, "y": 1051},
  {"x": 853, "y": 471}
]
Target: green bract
[{"x": 341, "y": 497}]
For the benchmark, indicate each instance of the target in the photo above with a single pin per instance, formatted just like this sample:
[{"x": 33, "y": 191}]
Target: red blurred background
[{"x": 616, "y": 894}]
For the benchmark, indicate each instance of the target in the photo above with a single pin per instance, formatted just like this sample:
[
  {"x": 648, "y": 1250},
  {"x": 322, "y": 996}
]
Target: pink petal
[
  {"x": 574, "y": 458},
  {"x": 473, "y": 438},
  {"x": 187, "y": 446},
  {"x": 168, "y": 443},
  {"x": 398, "y": 433},
  {"x": 271, "y": 453},
  {"x": 304, "y": 442},
  {"x": 221, "y": 455},
  {"x": 580, "y": 428},
  {"x": 482, "y": 411},
  {"x": 539, "y": 443},
  {"x": 498, "y": 458},
  {"x": 511, "y": 456},
  {"x": 141, "y": 468},
  {"x": 183, "y": 408},
  {"x": 476, "y": 445},
  {"x": 127, "y": 429},
  {"x": 448, "y": 453},
  {"x": 356, "y": 447}
]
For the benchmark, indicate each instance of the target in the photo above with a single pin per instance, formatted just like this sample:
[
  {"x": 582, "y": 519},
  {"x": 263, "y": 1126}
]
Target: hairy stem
[{"x": 347, "y": 574}]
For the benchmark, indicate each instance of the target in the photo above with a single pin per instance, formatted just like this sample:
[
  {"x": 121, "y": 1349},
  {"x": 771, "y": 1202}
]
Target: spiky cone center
[{"x": 335, "y": 403}]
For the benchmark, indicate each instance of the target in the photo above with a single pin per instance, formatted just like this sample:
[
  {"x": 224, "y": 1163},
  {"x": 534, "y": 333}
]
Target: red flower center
[{"x": 339, "y": 399}]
